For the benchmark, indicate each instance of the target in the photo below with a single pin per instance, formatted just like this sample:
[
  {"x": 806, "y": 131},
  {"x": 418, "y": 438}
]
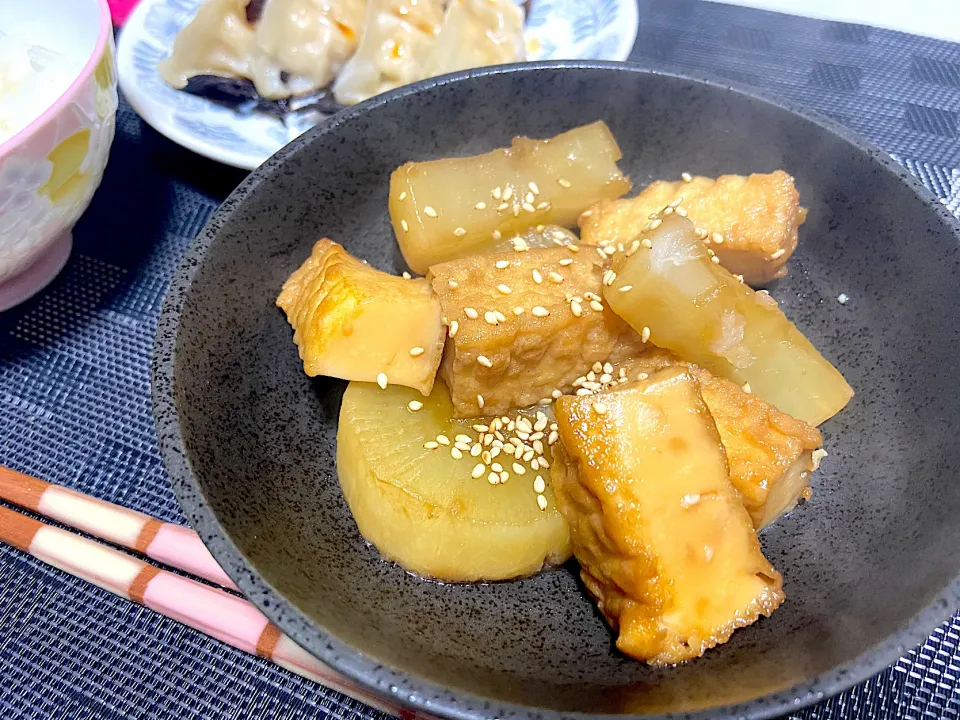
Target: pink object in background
[{"x": 121, "y": 9}]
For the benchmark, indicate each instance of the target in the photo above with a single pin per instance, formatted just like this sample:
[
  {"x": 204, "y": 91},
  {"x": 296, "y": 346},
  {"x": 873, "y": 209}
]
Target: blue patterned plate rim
[{"x": 561, "y": 29}]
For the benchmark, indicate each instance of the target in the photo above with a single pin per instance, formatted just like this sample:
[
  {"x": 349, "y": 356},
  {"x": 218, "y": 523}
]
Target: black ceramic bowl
[{"x": 870, "y": 563}]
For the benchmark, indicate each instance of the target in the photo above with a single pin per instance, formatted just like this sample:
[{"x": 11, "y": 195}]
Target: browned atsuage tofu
[
  {"x": 523, "y": 325},
  {"x": 771, "y": 454},
  {"x": 751, "y": 221},
  {"x": 664, "y": 543}
]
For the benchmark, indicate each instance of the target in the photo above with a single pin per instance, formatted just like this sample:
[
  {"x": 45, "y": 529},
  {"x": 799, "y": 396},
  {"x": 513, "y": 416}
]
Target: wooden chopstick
[
  {"x": 167, "y": 543},
  {"x": 214, "y": 612}
]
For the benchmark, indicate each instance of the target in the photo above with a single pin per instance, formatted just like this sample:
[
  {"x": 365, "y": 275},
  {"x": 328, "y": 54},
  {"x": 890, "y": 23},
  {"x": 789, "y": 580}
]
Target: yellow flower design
[
  {"x": 105, "y": 76},
  {"x": 66, "y": 181}
]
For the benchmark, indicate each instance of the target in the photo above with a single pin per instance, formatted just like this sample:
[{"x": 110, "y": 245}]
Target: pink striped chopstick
[
  {"x": 219, "y": 614},
  {"x": 169, "y": 544}
]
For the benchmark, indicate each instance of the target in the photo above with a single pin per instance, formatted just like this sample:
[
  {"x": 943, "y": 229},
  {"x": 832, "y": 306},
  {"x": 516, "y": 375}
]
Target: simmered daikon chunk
[
  {"x": 664, "y": 543},
  {"x": 523, "y": 326},
  {"x": 676, "y": 296},
  {"x": 770, "y": 453},
  {"x": 410, "y": 475},
  {"x": 355, "y": 322},
  {"x": 446, "y": 209}
]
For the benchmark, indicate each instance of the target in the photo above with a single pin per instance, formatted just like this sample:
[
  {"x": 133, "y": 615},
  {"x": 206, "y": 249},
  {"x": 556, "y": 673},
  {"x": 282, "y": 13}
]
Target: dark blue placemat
[{"x": 74, "y": 379}]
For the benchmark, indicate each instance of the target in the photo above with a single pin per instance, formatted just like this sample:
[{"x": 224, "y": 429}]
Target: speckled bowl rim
[{"x": 395, "y": 684}]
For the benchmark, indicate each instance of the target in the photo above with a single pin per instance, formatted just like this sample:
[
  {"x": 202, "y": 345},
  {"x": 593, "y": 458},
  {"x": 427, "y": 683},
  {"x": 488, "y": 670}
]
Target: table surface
[{"x": 75, "y": 375}]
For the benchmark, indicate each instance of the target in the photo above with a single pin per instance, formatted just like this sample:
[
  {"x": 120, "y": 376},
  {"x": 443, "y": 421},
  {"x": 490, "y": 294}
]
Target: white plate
[{"x": 559, "y": 29}]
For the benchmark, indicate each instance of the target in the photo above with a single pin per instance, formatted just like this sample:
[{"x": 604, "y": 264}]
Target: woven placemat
[{"x": 75, "y": 402}]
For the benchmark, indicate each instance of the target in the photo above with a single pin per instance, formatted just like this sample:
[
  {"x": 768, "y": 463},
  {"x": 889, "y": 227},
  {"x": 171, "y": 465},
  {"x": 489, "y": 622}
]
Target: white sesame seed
[
  {"x": 576, "y": 309},
  {"x": 481, "y": 428},
  {"x": 645, "y": 334},
  {"x": 478, "y": 470},
  {"x": 778, "y": 254},
  {"x": 480, "y": 400},
  {"x": 541, "y": 502},
  {"x": 540, "y": 311},
  {"x": 406, "y": 275},
  {"x": 537, "y": 277},
  {"x": 481, "y": 205},
  {"x": 634, "y": 246},
  {"x": 476, "y": 450},
  {"x": 611, "y": 276},
  {"x": 566, "y": 261},
  {"x": 686, "y": 177},
  {"x": 429, "y": 211},
  {"x": 599, "y": 408},
  {"x": 484, "y": 360},
  {"x": 490, "y": 317},
  {"x": 508, "y": 193},
  {"x": 843, "y": 298},
  {"x": 647, "y": 243},
  {"x": 454, "y": 326},
  {"x": 681, "y": 212},
  {"x": 717, "y": 238},
  {"x": 402, "y": 196},
  {"x": 715, "y": 260},
  {"x": 747, "y": 389},
  {"x": 462, "y": 446},
  {"x": 607, "y": 367},
  {"x": 496, "y": 235},
  {"x": 431, "y": 445},
  {"x": 382, "y": 381},
  {"x": 493, "y": 478},
  {"x": 563, "y": 183},
  {"x": 543, "y": 205},
  {"x": 456, "y": 453},
  {"x": 518, "y": 310},
  {"x": 502, "y": 206},
  {"x": 453, "y": 284},
  {"x": 460, "y": 232},
  {"x": 555, "y": 277},
  {"x": 667, "y": 211},
  {"x": 504, "y": 476},
  {"x": 502, "y": 264},
  {"x": 539, "y": 485},
  {"x": 414, "y": 405},
  {"x": 676, "y": 203},
  {"x": 497, "y": 193},
  {"x": 553, "y": 437},
  {"x": 654, "y": 224},
  {"x": 505, "y": 289},
  {"x": 573, "y": 248},
  {"x": 528, "y": 207},
  {"x": 443, "y": 439},
  {"x": 533, "y": 187},
  {"x": 519, "y": 245},
  {"x": 519, "y": 469},
  {"x": 595, "y": 305},
  {"x": 626, "y": 288},
  {"x": 689, "y": 500},
  {"x": 471, "y": 313},
  {"x": 463, "y": 438},
  {"x": 416, "y": 351},
  {"x": 516, "y": 210},
  {"x": 556, "y": 394},
  {"x": 643, "y": 376},
  {"x": 603, "y": 255},
  {"x": 529, "y": 197},
  {"x": 497, "y": 467}
]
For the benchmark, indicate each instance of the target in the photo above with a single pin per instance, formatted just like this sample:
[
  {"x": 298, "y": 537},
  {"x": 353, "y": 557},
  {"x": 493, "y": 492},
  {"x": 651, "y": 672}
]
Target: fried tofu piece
[
  {"x": 757, "y": 216},
  {"x": 771, "y": 454},
  {"x": 665, "y": 545},
  {"x": 355, "y": 322},
  {"x": 523, "y": 325}
]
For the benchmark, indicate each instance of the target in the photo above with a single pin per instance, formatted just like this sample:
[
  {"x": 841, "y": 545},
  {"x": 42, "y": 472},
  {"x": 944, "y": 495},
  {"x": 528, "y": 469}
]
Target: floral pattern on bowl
[
  {"x": 555, "y": 30},
  {"x": 48, "y": 178}
]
